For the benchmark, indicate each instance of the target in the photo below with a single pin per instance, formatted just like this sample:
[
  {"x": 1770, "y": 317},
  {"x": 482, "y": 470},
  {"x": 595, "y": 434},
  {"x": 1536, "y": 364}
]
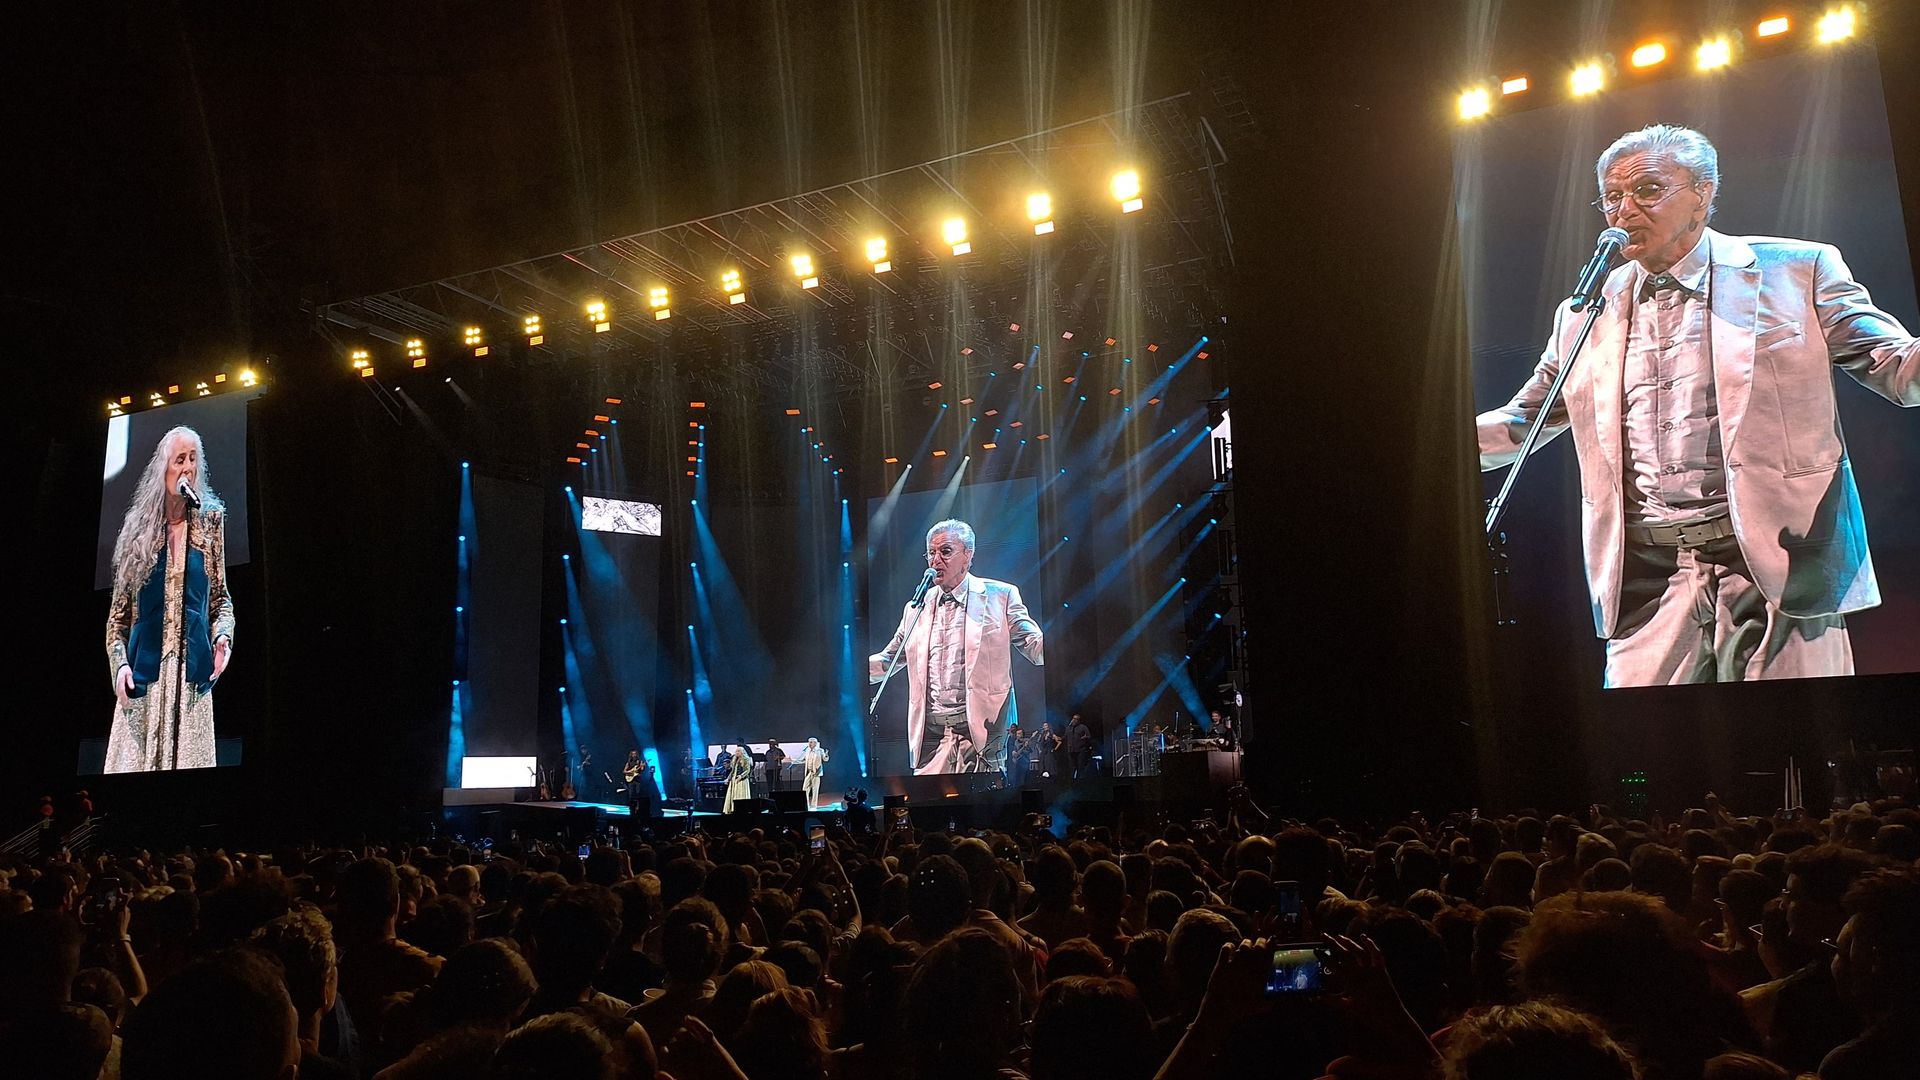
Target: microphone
[
  {"x": 920, "y": 594},
  {"x": 1605, "y": 248},
  {"x": 185, "y": 491}
]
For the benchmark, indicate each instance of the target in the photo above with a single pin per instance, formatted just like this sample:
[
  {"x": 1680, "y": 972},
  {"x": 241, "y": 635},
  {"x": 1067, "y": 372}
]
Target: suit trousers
[
  {"x": 810, "y": 783},
  {"x": 1694, "y": 615}
]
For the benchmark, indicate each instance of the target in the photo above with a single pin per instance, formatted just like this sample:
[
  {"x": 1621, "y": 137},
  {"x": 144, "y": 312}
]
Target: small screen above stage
[{"x": 619, "y": 516}]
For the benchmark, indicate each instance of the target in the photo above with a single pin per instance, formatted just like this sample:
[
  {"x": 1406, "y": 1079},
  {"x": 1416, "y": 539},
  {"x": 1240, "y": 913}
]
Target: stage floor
[{"x": 620, "y": 809}]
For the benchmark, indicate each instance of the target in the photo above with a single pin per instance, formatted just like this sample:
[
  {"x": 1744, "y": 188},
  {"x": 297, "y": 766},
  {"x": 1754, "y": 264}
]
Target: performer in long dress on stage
[
  {"x": 1723, "y": 532},
  {"x": 813, "y": 761},
  {"x": 169, "y": 593},
  {"x": 739, "y": 779},
  {"x": 958, "y": 655}
]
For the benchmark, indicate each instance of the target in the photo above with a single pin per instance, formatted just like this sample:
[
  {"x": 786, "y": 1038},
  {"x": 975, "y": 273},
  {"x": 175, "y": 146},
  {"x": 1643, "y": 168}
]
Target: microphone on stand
[
  {"x": 920, "y": 593},
  {"x": 1605, "y": 248},
  {"x": 185, "y": 491}
]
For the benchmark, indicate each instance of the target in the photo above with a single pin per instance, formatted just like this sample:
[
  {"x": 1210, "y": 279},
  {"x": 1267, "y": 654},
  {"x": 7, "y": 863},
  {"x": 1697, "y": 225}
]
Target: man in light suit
[
  {"x": 1723, "y": 533},
  {"x": 959, "y": 662}
]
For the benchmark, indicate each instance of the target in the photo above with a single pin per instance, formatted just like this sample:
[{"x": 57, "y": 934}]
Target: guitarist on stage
[{"x": 638, "y": 775}]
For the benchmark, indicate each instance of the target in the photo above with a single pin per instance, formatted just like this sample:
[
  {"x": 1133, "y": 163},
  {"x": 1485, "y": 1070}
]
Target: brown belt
[{"x": 1698, "y": 534}]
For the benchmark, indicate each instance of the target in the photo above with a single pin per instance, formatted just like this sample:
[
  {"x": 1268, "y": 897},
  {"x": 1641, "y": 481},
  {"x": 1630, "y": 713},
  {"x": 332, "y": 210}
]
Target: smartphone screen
[
  {"x": 900, "y": 820},
  {"x": 1297, "y": 970},
  {"x": 585, "y": 851},
  {"x": 817, "y": 839},
  {"x": 1287, "y": 902}
]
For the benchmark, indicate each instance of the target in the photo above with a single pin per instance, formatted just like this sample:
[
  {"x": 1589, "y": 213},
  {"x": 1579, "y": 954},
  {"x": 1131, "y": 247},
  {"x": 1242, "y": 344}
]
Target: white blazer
[
  {"x": 997, "y": 623},
  {"x": 1784, "y": 315}
]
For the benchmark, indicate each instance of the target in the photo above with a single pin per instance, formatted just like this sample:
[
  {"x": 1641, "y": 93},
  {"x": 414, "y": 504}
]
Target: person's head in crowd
[
  {"x": 1301, "y": 854},
  {"x": 738, "y": 990},
  {"x": 1739, "y": 1065},
  {"x": 603, "y": 867},
  {"x": 1788, "y": 840},
  {"x": 798, "y": 962},
  {"x": 1254, "y": 852},
  {"x": 1495, "y": 937},
  {"x": 1417, "y": 867},
  {"x": 1562, "y": 837},
  {"x": 302, "y": 941},
  {"x": 1876, "y": 962},
  {"x": 1103, "y": 893},
  {"x": 1591, "y": 848},
  {"x": 816, "y": 931},
  {"x": 212, "y": 873},
  {"x": 486, "y": 984},
  {"x": 1091, "y": 1028},
  {"x": 1077, "y": 956},
  {"x": 101, "y": 988},
  {"x": 1661, "y": 872},
  {"x": 42, "y": 951},
  {"x": 1607, "y": 875},
  {"x": 230, "y": 914},
  {"x": 1899, "y": 843},
  {"x": 1817, "y": 881},
  {"x": 1426, "y": 903},
  {"x": 1484, "y": 838},
  {"x": 557, "y": 1046},
  {"x": 730, "y": 886},
  {"x": 1252, "y": 892},
  {"x": 227, "y": 1015},
  {"x": 1053, "y": 878},
  {"x": 680, "y": 878},
  {"x": 1192, "y": 949},
  {"x": 367, "y": 899},
  {"x": 1630, "y": 961},
  {"x": 1508, "y": 882},
  {"x": 1163, "y": 910},
  {"x": 939, "y": 898},
  {"x": 61, "y": 1042},
  {"x": 1465, "y": 876},
  {"x": 1138, "y": 870},
  {"x": 1779, "y": 954},
  {"x": 963, "y": 1008},
  {"x": 442, "y": 925},
  {"x": 782, "y": 1038},
  {"x": 1144, "y": 963},
  {"x": 571, "y": 936},
  {"x": 464, "y": 882},
  {"x": 1528, "y": 834},
  {"x": 1743, "y": 893},
  {"x": 693, "y": 940},
  {"x": 1533, "y": 1041}
]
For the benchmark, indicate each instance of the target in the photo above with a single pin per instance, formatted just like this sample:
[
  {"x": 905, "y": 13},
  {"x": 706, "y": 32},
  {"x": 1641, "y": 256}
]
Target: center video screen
[
  {"x": 173, "y": 527},
  {"x": 1737, "y": 495},
  {"x": 967, "y": 692}
]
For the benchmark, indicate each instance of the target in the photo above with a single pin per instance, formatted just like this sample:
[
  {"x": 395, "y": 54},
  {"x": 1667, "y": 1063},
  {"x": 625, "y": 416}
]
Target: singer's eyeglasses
[
  {"x": 1646, "y": 196},
  {"x": 944, "y": 551}
]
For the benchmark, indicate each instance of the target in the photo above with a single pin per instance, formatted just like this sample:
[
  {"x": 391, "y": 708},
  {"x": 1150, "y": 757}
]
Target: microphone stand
[
  {"x": 1497, "y": 508},
  {"x": 180, "y": 694},
  {"x": 918, "y": 603}
]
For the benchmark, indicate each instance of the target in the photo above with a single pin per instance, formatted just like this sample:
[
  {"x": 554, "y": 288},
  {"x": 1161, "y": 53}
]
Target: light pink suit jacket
[
  {"x": 1784, "y": 314},
  {"x": 997, "y": 623}
]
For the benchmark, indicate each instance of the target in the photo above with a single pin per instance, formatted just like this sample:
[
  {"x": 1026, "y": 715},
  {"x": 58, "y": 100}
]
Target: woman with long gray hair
[{"x": 170, "y": 625}]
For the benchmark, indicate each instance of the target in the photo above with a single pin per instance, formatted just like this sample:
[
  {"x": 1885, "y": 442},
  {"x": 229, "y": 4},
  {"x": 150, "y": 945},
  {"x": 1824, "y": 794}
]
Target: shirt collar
[
  {"x": 1690, "y": 273},
  {"x": 959, "y": 592}
]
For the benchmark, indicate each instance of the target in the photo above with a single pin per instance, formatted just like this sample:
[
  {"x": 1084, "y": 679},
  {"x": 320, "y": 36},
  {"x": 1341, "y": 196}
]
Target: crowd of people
[{"x": 1713, "y": 946}]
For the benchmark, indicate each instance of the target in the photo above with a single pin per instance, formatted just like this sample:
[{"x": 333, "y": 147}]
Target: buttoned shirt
[
  {"x": 1675, "y": 469},
  {"x": 947, "y": 650}
]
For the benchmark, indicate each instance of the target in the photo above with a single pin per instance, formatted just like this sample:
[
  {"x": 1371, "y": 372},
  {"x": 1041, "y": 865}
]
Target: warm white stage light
[
  {"x": 361, "y": 359},
  {"x": 1649, "y": 54},
  {"x": 1516, "y": 85},
  {"x": 1126, "y": 190},
  {"x": 1475, "y": 104},
  {"x": 531, "y": 327},
  {"x": 1773, "y": 27},
  {"x": 1040, "y": 212},
  {"x": 803, "y": 269},
  {"x": 954, "y": 232},
  {"x": 1588, "y": 79},
  {"x": 658, "y": 301},
  {"x": 597, "y": 315},
  {"x": 877, "y": 254},
  {"x": 1836, "y": 25},
  {"x": 1717, "y": 53},
  {"x": 417, "y": 352}
]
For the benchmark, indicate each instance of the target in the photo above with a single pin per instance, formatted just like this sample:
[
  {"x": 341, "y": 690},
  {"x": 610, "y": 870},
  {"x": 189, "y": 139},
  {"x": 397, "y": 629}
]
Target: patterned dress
[{"x": 144, "y": 737}]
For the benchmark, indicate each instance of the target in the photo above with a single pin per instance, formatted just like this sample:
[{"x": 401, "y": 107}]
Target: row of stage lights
[
  {"x": 175, "y": 392},
  {"x": 955, "y": 234},
  {"x": 1712, "y": 54}
]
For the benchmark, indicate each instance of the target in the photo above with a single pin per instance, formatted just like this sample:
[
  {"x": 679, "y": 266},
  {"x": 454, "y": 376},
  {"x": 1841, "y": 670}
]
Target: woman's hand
[
  {"x": 222, "y": 652},
  {"x": 123, "y": 684}
]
